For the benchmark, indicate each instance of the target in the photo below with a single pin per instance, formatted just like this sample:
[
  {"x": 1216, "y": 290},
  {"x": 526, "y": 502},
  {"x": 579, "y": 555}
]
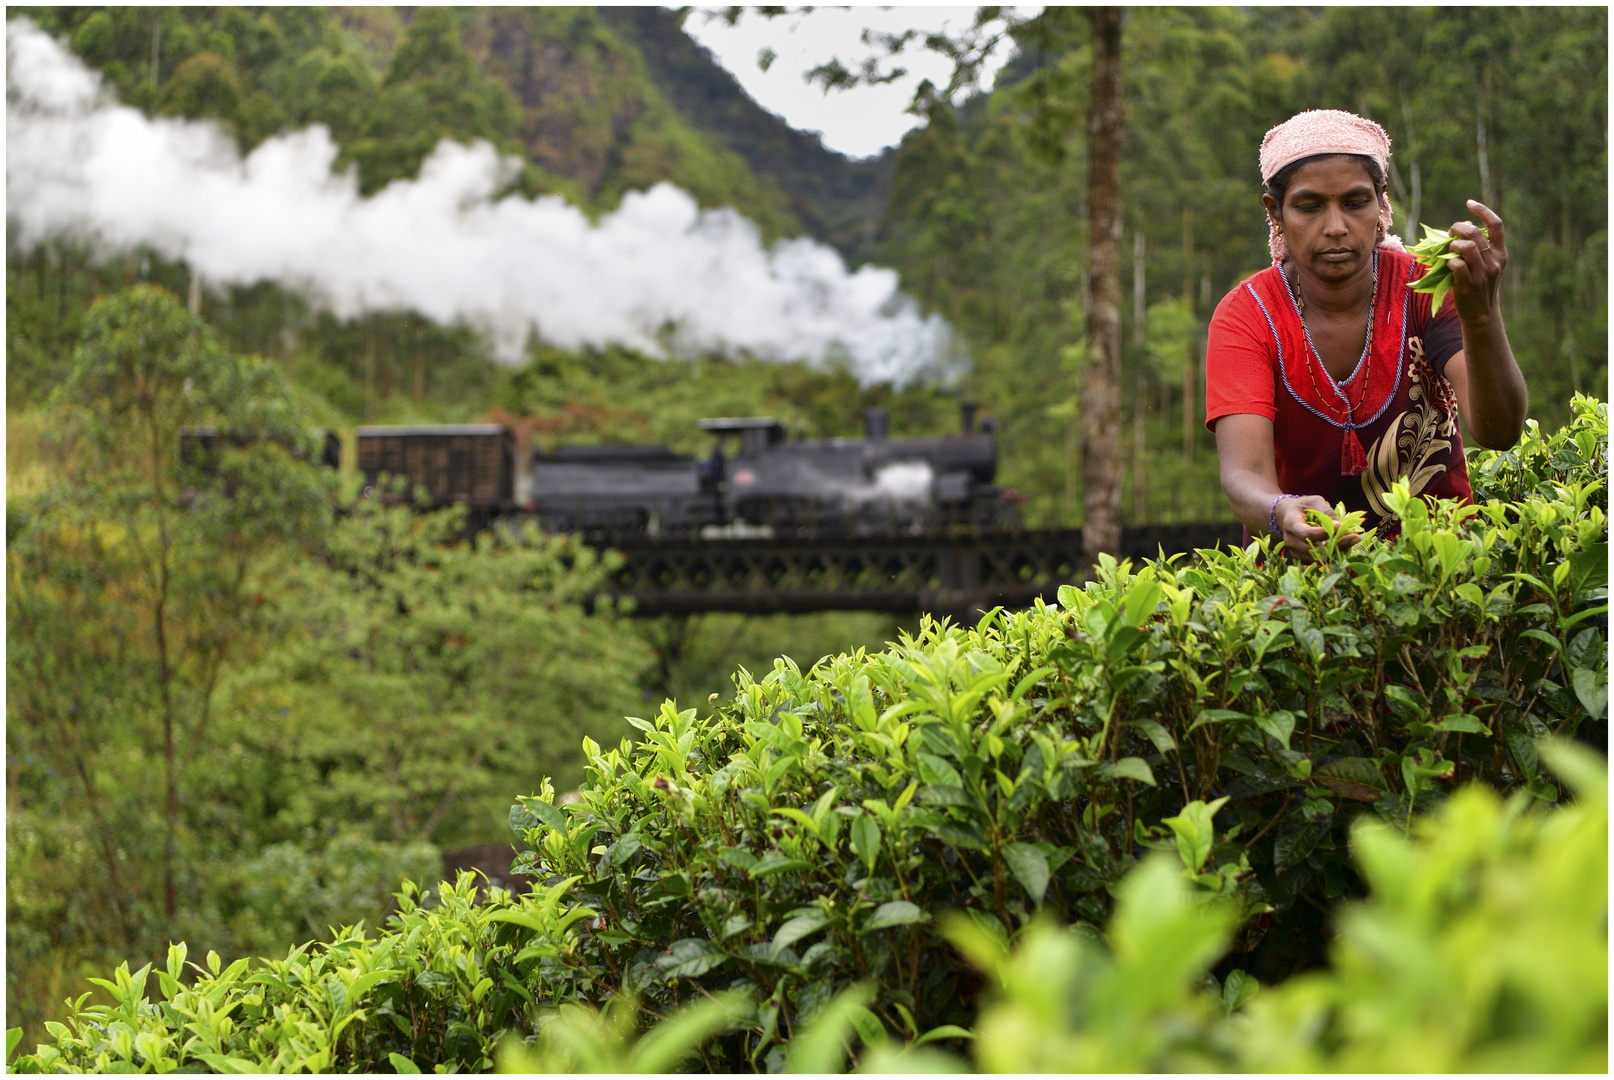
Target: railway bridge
[{"x": 955, "y": 574}]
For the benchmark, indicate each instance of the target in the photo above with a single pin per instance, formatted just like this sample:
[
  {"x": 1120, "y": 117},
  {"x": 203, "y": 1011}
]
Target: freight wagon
[{"x": 472, "y": 464}]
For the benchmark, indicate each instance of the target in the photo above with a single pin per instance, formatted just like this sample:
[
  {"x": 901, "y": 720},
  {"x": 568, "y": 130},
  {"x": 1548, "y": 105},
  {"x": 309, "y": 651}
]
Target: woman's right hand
[
  {"x": 1298, "y": 534},
  {"x": 1244, "y": 447}
]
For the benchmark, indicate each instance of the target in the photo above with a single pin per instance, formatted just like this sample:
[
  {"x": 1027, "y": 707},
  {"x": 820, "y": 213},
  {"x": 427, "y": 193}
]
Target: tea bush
[
  {"x": 1240, "y": 713},
  {"x": 1483, "y": 947}
]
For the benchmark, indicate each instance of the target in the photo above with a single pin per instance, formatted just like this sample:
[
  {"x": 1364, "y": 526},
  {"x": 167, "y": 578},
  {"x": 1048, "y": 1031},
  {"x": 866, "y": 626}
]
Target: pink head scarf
[{"x": 1327, "y": 131}]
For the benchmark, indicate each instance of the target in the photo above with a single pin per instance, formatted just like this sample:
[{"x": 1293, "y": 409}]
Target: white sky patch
[
  {"x": 859, "y": 122},
  {"x": 659, "y": 274}
]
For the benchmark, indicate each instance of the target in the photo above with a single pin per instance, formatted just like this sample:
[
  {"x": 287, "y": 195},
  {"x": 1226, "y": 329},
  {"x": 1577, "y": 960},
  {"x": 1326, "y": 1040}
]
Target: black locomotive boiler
[{"x": 759, "y": 484}]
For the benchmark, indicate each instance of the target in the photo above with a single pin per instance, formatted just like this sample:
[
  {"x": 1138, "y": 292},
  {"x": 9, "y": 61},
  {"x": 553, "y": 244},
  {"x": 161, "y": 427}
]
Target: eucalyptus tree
[{"x": 136, "y": 576}]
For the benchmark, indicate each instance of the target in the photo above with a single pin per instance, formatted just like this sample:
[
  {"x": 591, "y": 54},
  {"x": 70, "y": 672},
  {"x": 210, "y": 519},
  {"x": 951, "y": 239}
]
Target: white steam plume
[{"x": 657, "y": 274}]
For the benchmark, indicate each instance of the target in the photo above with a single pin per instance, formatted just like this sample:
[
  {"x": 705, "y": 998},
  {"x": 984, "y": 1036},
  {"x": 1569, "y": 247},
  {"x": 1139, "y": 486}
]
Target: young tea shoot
[{"x": 1434, "y": 251}]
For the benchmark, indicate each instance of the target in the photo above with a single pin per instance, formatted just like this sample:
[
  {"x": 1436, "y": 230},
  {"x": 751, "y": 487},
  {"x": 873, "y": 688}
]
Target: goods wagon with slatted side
[{"x": 472, "y": 464}]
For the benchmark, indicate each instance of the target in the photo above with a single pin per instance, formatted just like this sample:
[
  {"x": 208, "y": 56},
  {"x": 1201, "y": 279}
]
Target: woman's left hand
[
  {"x": 1490, "y": 389},
  {"x": 1477, "y": 271}
]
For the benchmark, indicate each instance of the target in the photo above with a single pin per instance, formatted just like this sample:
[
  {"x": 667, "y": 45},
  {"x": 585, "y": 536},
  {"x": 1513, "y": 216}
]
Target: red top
[{"x": 1259, "y": 361}]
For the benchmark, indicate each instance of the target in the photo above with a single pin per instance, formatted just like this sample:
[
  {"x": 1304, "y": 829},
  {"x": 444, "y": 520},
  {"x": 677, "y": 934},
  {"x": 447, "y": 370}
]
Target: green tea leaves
[
  {"x": 893, "y": 913},
  {"x": 1130, "y": 768},
  {"x": 1434, "y": 251},
  {"x": 865, "y": 840},
  {"x": 1030, "y": 869},
  {"x": 1355, "y": 778},
  {"x": 690, "y": 958},
  {"x": 1195, "y": 832},
  {"x": 795, "y": 929}
]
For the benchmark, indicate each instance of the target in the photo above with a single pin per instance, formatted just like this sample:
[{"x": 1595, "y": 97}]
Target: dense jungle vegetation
[{"x": 237, "y": 719}]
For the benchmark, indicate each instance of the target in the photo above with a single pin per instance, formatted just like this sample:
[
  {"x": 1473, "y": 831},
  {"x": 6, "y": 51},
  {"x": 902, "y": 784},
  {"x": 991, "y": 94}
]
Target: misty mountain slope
[
  {"x": 840, "y": 200},
  {"x": 555, "y": 85},
  {"x": 589, "y": 111}
]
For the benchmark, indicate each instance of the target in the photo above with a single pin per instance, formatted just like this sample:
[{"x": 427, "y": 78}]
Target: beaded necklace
[{"x": 1352, "y": 458}]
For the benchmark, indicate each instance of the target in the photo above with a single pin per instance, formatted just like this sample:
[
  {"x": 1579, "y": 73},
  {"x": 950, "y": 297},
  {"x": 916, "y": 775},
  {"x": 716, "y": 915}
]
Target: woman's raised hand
[{"x": 1477, "y": 271}]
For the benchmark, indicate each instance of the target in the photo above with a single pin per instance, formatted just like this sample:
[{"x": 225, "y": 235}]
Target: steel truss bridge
[{"x": 949, "y": 574}]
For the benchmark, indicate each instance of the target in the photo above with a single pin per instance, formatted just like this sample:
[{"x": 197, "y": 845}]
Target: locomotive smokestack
[
  {"x": 967, "y": 411},
  {"x": 874, "y": 424}
]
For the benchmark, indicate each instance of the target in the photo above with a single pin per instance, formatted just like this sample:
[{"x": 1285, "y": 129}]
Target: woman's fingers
[
  {"x": 1493, "y": 224},
  {"x": 1472, "y": 248},
  {"x": 1300, "y": 535},
  {"x": 1320, "y": 505},
  {"x": 1477, "y": 270},
  {"x": 1471, "y": 241}
]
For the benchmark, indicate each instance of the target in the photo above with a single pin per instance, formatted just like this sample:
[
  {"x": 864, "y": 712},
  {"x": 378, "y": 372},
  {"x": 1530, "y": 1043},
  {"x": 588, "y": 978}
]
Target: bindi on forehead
[{"x": 1332, "y": 178}]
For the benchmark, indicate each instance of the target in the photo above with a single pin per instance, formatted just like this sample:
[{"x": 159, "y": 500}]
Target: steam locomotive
[{"x": 756, "y": 482}]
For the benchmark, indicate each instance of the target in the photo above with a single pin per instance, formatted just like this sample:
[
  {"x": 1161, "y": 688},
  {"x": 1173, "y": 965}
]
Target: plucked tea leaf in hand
[{"x": 1434, "y": 251}]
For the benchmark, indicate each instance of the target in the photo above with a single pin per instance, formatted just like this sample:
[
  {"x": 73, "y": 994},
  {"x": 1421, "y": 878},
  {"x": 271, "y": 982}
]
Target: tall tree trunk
[
  {"x": 1191, "y": 354},
  {"x": 165, "y": 671},
  {"x": 1487, "y": 191},
  {"x": 1190, "y": 414},
  {"x": 156, "y": 50},
  {"x": 1101, "y": 399},
  {"x": 1140, "y": 386},
  {"x": 389, "y": 372}
]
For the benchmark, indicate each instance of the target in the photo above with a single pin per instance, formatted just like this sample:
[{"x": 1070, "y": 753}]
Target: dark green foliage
[
  {"x": 204, "y": 85},
  {"x": 231, "y": 718},
  {"x": 857, "y": 824},
  {"x": 432, "y": 91},
  {"x": 416, "y": 677}
]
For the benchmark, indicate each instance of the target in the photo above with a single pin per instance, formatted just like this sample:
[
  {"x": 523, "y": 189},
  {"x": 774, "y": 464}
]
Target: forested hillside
[
  {"x": 238, "y": 718},
  {"x": 987, "y": 217},
  {"x": 838, "y": 200}
]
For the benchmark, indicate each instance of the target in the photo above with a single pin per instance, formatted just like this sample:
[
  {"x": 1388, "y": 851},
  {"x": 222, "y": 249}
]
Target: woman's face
[{"x": 1330, "y": 217}]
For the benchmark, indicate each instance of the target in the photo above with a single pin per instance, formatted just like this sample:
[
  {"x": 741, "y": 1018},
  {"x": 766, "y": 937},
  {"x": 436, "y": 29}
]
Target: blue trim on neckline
[{"x": 1283, "y": 371}]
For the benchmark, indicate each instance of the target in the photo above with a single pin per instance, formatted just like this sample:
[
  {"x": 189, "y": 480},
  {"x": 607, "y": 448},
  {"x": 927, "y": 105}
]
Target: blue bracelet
[{"x": 1272, "y": 515}]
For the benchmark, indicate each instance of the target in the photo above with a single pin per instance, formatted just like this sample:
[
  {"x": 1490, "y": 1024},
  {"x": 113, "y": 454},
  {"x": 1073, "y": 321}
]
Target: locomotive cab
[{"x": 869, "y": 486}]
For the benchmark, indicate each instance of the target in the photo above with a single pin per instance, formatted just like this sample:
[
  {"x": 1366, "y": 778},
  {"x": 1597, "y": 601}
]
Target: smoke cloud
[{"x": 659, "y": 274}]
